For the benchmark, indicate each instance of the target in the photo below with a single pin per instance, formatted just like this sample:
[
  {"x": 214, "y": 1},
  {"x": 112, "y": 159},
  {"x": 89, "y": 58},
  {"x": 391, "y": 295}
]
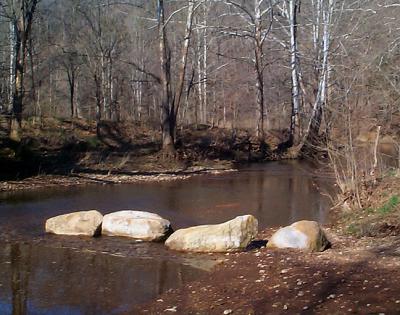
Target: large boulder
[
  {"x": 140, "y": 225},
  {"x": 233, "y": 235},
  {"x": 76, "y": 223},
  {"x": 305, "y": 235}
]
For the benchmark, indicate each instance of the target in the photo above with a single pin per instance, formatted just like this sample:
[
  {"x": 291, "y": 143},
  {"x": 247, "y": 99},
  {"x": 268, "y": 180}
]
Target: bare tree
[
  {"x": 71, "y": 63},
  {"x": 294, "y": 66},
  {"x": 288, "y": 39},
  {"x": 256, "y": 30},
  {"x": 322, "y": 37},
  {"x": 170, "y": 103},
  {"x": 20, "y": 14},
  {"x": 167, "y": 118},
  {"x": 104, "y": 35}
]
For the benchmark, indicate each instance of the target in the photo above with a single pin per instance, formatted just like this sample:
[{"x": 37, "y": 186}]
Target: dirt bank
[
  {"x": 380, "y": 213},
  {"x": 59, "y": 147},
  {"x": 355, "y": 276},
  {"x": 66, "y": 153}
]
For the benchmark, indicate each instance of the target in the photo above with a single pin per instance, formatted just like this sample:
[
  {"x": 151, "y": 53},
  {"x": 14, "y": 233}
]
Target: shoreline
[{"x": 99, "y": 178}]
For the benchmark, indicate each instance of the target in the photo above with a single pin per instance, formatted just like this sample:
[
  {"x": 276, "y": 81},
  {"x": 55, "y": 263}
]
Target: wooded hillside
[{"x": 308, "y": 67}]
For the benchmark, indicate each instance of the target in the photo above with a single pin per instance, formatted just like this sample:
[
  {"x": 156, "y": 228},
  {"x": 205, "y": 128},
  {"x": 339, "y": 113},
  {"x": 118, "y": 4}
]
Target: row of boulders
[{"x": 232, "y": 235}]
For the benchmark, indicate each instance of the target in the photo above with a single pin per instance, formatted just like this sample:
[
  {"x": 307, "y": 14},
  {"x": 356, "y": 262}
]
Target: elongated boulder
[
  {"x": 76, "y": 223},
  {"x": 305, "y": 235},
  {"x": 140, "y": 225},
  {"x": 233, "y": 235}
]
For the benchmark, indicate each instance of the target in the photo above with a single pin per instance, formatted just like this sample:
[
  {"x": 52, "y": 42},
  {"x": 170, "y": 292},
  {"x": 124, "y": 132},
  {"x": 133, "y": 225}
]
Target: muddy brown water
[{"x": 47, "y": 274}]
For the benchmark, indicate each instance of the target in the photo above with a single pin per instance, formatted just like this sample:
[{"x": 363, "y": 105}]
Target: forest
[{"x": 261, "y": 65}]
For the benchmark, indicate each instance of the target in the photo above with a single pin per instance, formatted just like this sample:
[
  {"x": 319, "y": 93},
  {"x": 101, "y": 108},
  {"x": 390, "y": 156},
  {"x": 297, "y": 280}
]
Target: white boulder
[
  {"x": 305, "y": 235},
  {"x": 233, "y": 235},
  {"x": 75, "y": 223},
  {"x": 140, "y": 225}
]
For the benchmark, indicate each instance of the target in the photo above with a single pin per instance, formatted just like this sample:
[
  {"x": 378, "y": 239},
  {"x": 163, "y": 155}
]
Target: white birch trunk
[
  {"x": 294, "y": 65},
  {"x": 199, "y": 110},
  {"x": 258, "y": 71},
  {"x": 13, "y": 43},
  {"x": 205, "y": 56},
  {"x": 324, "y": 69},
  {"x": 183, "y": 63}
]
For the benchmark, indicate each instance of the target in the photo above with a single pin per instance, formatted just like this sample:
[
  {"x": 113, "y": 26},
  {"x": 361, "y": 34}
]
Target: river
[{"x": 49, "y": 274}]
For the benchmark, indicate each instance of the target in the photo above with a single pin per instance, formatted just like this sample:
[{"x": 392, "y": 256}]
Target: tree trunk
[
  {"x": 167, "y": 113},
  {"x": 200, "y": 107},
  {"x": 202, "y": 55},
  {"x": 258, "y": 70},
  {"x": 16, "y": 114},
  {"x": 22, "y": 25},
  {"x": 110, "y": 88},
  {"x": 205, "y": 56},
  {"x": 185, "y": 49},
  {"x": 312, "y": 134},
  {"x": 13, "y": 48},
  {"x": 294, "y": 65},
  {"x": 104, "y": 92},
  {"x": 71, "y": 83},
  {"x": 98, "y": 98}
]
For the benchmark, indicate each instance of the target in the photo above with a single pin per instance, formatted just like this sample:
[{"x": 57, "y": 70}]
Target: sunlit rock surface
[
  {"x": 305, "y": 235},
  {"x": 140, "y": 225},
  {"x": 233, "y": 235},
  {"x": 76, "y": 223}
]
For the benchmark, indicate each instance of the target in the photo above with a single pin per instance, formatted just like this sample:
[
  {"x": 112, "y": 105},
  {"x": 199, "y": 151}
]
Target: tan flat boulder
[
  {"x": 233, "y": 235},
  {"x": 76, "y": 223},
  {"x": 139, "y": 225},
  {"x": 305, "y": 235}
]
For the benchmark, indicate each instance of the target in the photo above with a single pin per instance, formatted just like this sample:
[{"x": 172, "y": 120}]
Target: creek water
[{"x": 48, "y": 274}]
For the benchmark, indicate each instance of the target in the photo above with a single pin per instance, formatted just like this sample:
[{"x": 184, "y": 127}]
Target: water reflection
[{"x": 45, "y": 280}]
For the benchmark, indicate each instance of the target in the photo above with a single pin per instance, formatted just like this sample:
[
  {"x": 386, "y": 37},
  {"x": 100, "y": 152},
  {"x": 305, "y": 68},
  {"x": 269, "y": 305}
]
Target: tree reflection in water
[{"x": 49, "y": 280}]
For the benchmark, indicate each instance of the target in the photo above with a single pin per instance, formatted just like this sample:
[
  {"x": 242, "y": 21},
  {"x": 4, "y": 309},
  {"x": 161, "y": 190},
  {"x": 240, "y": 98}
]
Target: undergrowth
[{"x": 383, "y": 220}]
